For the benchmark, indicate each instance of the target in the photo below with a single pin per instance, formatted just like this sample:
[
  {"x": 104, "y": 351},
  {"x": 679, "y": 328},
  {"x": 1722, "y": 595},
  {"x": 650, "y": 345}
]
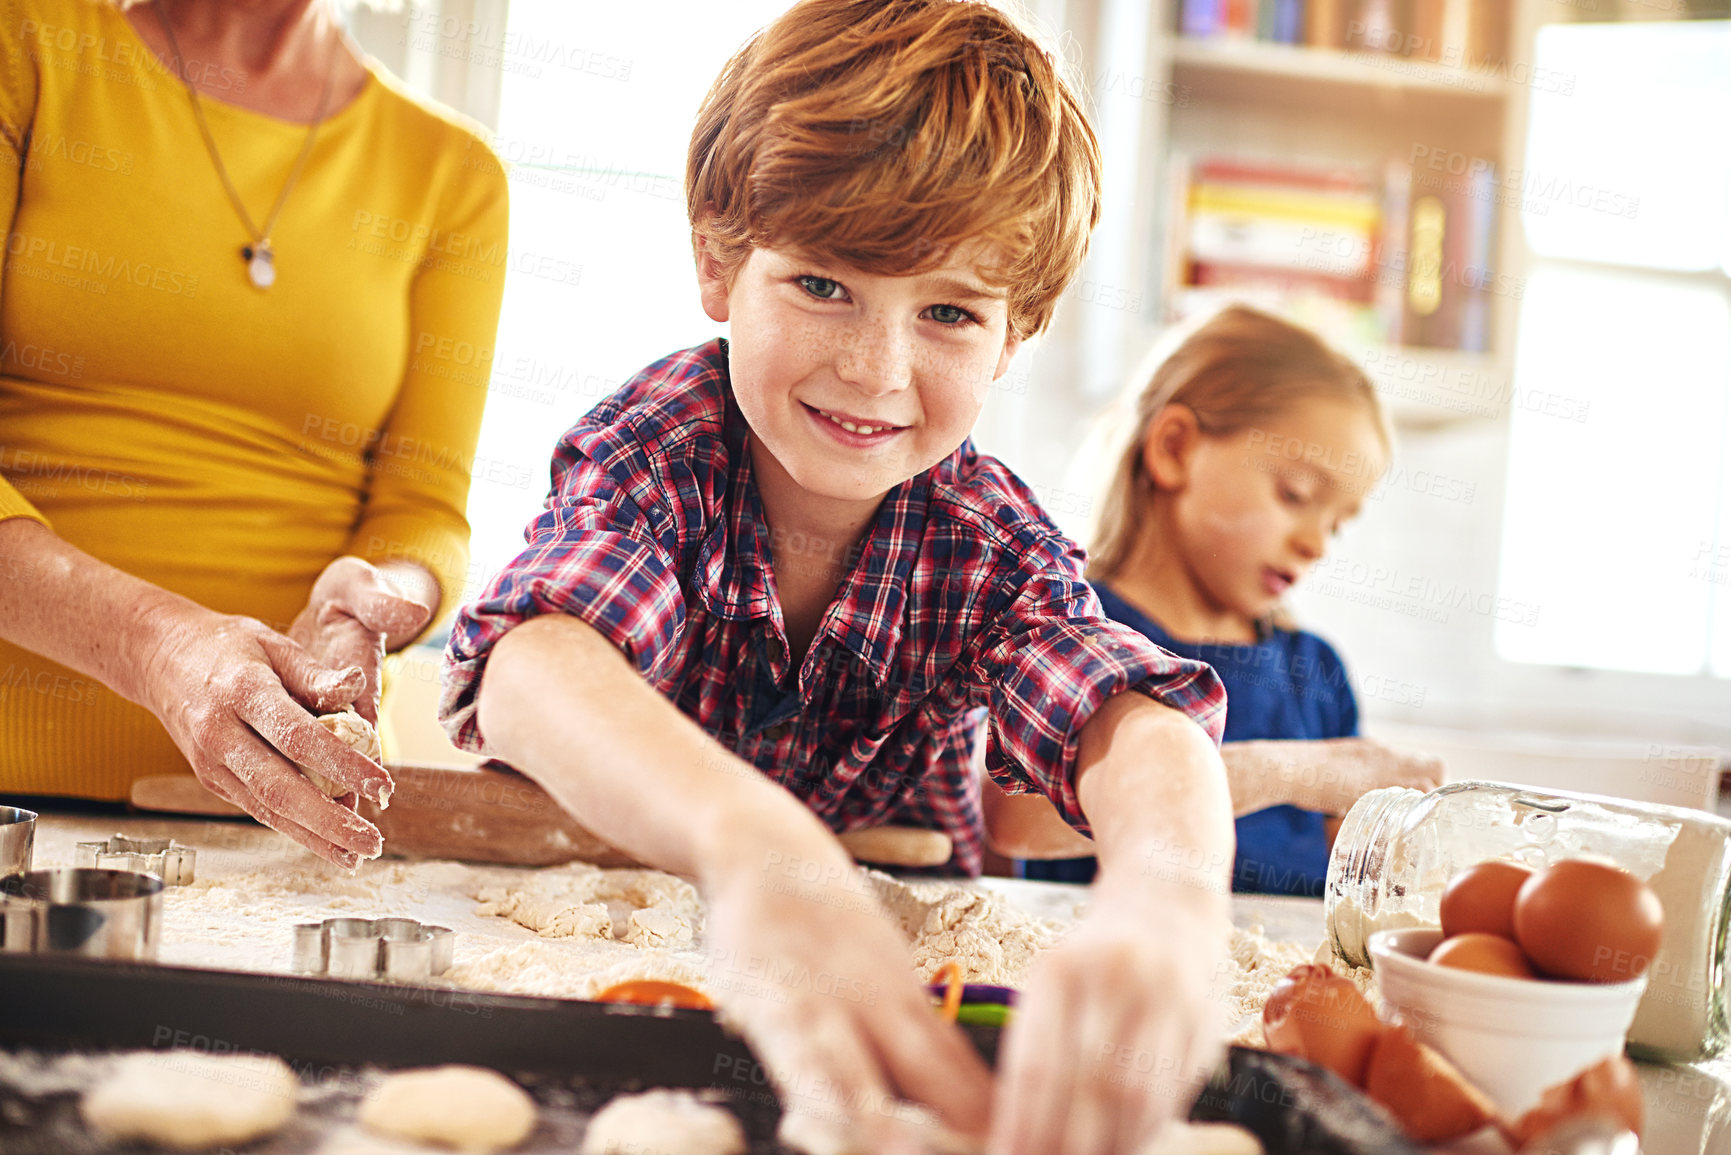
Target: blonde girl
[{"x": 1252, "y": 444}]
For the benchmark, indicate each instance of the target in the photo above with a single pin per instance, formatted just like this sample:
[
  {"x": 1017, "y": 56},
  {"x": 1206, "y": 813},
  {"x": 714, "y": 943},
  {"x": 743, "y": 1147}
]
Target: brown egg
[
  {"x": 1482, "y": 898},
  {"x": 1427, "y": 1095},
  {"x": 1586, "y": 920},
  {"x": 1486, "y": 953},
  {"x": 1318, "y": 1015}
]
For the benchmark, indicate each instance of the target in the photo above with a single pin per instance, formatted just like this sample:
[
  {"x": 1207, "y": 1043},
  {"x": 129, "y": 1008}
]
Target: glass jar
[{"x": 1398, "y": 848}]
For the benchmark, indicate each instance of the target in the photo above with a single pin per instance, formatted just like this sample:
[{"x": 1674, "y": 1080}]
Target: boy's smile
[{"x": 853, "y": 382}]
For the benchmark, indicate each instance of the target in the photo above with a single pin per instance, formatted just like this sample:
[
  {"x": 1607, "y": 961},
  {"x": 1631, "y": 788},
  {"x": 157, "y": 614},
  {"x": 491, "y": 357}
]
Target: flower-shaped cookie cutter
[
  {"x": 394, "y": 949},
  {"x": 163, "y": 857}
]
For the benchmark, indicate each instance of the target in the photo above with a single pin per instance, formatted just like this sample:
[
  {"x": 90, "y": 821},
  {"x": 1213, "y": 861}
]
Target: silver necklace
[{"x": 258, "y": 254}]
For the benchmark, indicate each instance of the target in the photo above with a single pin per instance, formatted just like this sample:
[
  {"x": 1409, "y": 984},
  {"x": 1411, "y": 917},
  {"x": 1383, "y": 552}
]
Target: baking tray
[{"x": 570, "y": 1054}]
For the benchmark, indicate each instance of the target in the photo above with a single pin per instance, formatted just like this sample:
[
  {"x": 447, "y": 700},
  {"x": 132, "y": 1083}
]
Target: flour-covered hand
[
  {"x": 353, "y": 611},
  {"x": 1118, "y": 1028},
  {"x": 805, "y": 961},
  {"x": 234, "y": 695}
]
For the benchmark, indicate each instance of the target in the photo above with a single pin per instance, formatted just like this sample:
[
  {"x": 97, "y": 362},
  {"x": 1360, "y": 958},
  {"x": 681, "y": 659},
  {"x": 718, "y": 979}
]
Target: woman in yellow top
[{"x": 247, "y": 310}]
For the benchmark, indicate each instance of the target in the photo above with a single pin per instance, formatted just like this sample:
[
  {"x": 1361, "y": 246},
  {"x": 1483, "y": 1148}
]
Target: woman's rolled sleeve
[{"x": 1050, "y": 663}]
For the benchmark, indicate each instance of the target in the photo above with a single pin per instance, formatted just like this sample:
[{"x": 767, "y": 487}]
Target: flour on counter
[
  {"x": 991, "y": 940},
  {"x": 647, "y": 908},
  {"x": 572, "y": 931},
  {"x": 1258, "y": 965}
]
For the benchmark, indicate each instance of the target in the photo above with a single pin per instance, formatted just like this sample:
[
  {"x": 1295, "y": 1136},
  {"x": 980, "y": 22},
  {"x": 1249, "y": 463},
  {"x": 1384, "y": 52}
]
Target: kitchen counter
[{"x": 1688, "y": 1107}]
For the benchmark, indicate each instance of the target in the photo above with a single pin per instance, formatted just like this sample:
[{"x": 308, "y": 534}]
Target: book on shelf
[
  {"x": 1446, "y": 274},
  {"x": 1459, "y": 33},
  {"x": 1384, "y": 257}
]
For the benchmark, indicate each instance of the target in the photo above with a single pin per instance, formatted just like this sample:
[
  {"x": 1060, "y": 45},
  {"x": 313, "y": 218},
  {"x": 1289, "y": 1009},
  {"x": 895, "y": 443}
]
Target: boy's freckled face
[
  {"x": 853, "y": 381},
  {"x": 1259, "y": 506}
]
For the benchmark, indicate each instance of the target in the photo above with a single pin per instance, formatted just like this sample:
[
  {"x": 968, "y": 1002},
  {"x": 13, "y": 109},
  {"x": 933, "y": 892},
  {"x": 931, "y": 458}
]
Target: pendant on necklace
[{"x": 260, "y": 264}]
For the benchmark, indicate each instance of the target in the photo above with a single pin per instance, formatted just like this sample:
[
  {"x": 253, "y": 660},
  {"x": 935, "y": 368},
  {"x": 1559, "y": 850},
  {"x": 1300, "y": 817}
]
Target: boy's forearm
[
  {"x": 564, "y": 706},
  {"x": 1152, "y": 786}
]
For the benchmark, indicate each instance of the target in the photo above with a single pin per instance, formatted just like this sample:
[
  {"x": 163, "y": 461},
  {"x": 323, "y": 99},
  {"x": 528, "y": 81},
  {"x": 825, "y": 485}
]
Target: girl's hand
[
  {"x": 230, "y": 691},
  {"x": 1119, "y": 1027},
  {"x": 804, "y": 960},
  {"x": 353, "y": 614},
  {"x": 1324, "y": 775}
]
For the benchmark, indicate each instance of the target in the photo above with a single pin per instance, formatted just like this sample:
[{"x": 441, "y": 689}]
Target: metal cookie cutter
[
  {"x": 163, "y": 857},
  {"x": 394, "y": 949}
]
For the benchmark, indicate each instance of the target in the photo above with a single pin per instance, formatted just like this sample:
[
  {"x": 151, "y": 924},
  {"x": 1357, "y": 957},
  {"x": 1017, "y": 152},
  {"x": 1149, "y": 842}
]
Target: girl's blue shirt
[{"x": 1289, "y": 685}]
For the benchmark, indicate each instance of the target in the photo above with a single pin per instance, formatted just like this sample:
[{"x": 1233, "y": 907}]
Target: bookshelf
[
  {"x": 1263, "y": 71},
  {"x": 1404, "y": 127}
]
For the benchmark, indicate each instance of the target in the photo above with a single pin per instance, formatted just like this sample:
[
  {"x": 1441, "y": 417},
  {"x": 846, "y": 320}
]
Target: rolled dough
[
  {"x": 355, "y": 732},
  {"x": 663, "y": 1122},
  {"x": 190, "y": 1100},
  {"x": 469, "y": 1108}
]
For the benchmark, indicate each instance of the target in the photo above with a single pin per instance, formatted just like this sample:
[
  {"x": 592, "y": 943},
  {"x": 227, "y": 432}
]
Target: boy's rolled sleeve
[
  {"x": 592, "y": 555},
  {"x": 1051, "y": 662}
]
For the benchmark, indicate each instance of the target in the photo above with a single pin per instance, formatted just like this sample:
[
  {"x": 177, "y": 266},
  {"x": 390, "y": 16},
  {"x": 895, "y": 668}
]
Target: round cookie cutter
[
  {"x": 393, "y": 949},
  {"x": 78, "y": 910}
]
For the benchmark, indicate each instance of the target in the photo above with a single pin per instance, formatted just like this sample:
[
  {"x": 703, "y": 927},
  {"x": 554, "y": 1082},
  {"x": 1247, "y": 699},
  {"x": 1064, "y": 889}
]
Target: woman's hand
[
  {"x": 354, "y": 615},
  {"x": 1119, "y": 1027},
  {"x": 804, "y": 960},
  {"x": 1326, "y": 775},
  {"x": 230, "y": 691}
]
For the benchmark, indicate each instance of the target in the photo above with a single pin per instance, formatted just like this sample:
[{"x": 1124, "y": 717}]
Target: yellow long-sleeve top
[{"x": 161, "y": 413}]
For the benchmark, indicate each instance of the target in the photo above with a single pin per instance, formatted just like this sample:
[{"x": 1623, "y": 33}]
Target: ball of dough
[
  {"x": 469, "y": 1108},
  {"x": 353, "y": 731},
  {"x": 663, "y": 1122},
  {"x": 190, "y": 1100}
]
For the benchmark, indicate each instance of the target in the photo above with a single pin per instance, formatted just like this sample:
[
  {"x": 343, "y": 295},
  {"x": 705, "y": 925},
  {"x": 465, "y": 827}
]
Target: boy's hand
[
  {"x": 1119, "y": 1027},
  {"x": 807, "y": 964}
]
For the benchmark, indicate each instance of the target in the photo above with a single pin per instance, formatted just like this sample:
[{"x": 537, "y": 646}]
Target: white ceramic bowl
[{"x": 1512, "y": 1037}]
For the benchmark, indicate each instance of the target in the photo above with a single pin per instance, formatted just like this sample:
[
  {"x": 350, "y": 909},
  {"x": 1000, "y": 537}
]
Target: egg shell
[
  {"x": 1589, "y": 921},
  {"x": 1428, "y": 1097},
  {"x": 1609, "y": 1089},
  {"x": 1482, "y": 898},
  {"x": 1321, "y": 1017},
  {"x": 1486, "y": 953}
]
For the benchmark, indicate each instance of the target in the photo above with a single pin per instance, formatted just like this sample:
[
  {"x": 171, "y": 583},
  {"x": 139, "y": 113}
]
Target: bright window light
[
  {"x": 1627, "y": 155},
  {"x": 595, "y": 114},
  {"x": 1618, "y": 521},
  {"x": 1617, "y": 475}
]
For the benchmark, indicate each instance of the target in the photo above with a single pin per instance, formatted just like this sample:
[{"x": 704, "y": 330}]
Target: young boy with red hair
[{"x": 776, "y": 590}]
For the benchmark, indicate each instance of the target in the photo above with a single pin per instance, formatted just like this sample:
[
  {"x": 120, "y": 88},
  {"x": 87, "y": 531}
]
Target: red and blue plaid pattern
[{"x": 965, "y": 605}]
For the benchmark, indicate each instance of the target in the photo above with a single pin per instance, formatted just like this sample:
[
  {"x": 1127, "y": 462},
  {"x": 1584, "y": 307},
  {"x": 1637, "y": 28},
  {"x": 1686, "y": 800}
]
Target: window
[
  {"x": 1618, "y": 523},
  {"x": 595, "y": 111}
]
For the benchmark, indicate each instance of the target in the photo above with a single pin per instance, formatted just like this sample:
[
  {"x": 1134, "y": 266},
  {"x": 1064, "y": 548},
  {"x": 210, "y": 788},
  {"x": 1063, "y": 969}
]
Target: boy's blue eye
[
  {"x": 950, "y": 314},
  {"x": 821, "y": 287}
]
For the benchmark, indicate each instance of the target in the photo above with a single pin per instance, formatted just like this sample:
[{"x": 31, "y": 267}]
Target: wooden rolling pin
[{"x": 494, "y": 814}]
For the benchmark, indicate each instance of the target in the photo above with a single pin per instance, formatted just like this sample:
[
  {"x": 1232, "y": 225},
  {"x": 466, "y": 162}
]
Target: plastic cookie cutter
[
  {"x": 971, "y": 1004},
  {"x": 394, "y": 949},
  {"x": 163, "y": 857}
]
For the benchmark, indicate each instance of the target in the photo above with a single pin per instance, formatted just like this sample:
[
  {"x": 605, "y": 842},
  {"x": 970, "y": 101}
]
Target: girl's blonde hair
[{"x": 1238, "y": 367}]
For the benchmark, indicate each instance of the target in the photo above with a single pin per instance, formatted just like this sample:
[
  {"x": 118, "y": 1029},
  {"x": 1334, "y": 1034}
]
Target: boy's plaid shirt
[{"x": 965, "y": 604}]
